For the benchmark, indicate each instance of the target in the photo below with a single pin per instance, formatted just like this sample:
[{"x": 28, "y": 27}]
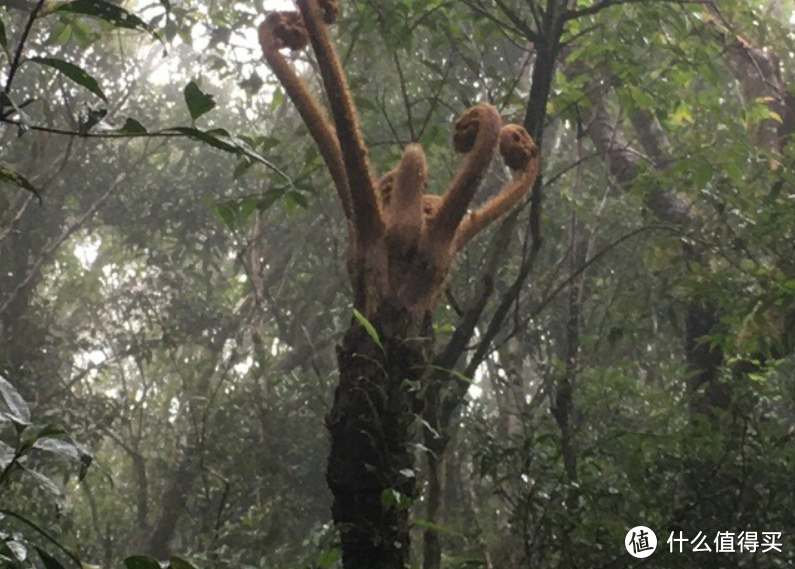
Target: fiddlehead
[
  {"x": 364, "y": 201},
  {"x": 476, "y": 133},
  {"x": 286, "y": 29},
  {"x": 521, "y": 155}
]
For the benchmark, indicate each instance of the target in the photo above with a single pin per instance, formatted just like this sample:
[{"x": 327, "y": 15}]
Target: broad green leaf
[
  {"x": 17, "y": 407},
  {"x": 298, "y": 198},
  {"x": 50, "y": 431},
  {"x": 236, "y": 211},
  {"x": 73, "y": 72},
  {"x": 292, "y": 201},
  {"x": 180, "y": 563},
  {"x": 269, "y": 198},
  {"x": 57, "y": 446},
  {"x": 198, "y": 101},
  {"x": 142, "y": 562},
  {"x": 61, "y": 33},
  {"x": 17, "y": 179},
  {"x": 132, "y": 126},
  {"x": 111, "y": 13},
  {"x": 369, "y": 328}
]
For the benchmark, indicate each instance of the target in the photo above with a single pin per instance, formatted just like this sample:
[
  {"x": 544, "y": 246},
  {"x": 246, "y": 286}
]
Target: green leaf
[
  {"x": 180, "y": 563},
  {"x": 57, "y": 446},
  {"x": 17, "y": 407},
  {"x": 111, "y": 13},
  {"x": 270, "y": 197},
  {"x": 73, "y": 72},
  {"x": 327, "y": 558},
  {"x": 369, "y": 328},
  {"x": 292, "y": 200},
  {"x": 227, "y": 213},
  {"x": 132, "y": 126},
  {"x": 299, "y": 199},
  {"x": 50, "y": 431},
  {"x": 388, "y": 498},
  {"x": 17, "y": 179},
  {"x": 268, "y": 142},
  {"x": 142, "y": 562},
  {"x": 276, "y": 99},
  {"x": 49, "y": 561},
  {"x": 198, "y": 101},
  {"x": 391, "y": 498},
  {"x": 236, "y": 211},
  {"x": 221, "y": 139}
]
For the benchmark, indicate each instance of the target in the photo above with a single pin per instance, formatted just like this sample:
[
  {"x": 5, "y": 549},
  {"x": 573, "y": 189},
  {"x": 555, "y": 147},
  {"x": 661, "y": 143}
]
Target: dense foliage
[{"x": 172, "y": 284}]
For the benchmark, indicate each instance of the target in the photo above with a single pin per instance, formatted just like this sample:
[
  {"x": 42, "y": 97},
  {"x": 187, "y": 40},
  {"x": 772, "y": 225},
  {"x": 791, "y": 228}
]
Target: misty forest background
[{"x": 171, "y": 294}]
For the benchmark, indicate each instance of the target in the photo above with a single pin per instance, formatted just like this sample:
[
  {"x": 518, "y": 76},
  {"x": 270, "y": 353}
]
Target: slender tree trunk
[
  {"x": 373, "y": 429},
  {"x": 173, "y": 501},
  {"x": 437, "y": 442}
]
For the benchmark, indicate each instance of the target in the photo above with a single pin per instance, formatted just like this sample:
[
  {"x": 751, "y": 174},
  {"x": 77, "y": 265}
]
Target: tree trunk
[
  {"x": 174, "y": 502},
  {"x": 373, "y": 429}
]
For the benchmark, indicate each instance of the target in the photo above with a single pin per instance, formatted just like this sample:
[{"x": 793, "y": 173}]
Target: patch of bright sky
[
  {"x": 163, "y": 73},
  {"x": 86, "y": 252}
]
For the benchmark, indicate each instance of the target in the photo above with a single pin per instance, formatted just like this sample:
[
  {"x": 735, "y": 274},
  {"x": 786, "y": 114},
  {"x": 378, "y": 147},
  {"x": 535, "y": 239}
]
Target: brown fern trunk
[{"x": 373, "y": 425}]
